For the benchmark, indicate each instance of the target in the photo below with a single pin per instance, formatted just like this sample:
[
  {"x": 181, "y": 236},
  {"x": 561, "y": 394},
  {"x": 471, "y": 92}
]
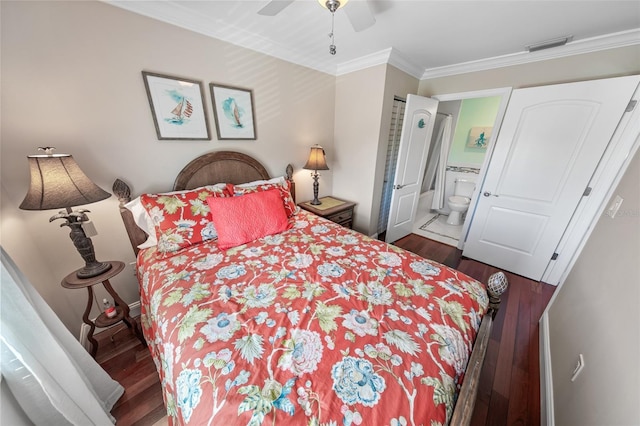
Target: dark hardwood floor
[
  {"x": 509, "y": 387},
  {"x": 130, "y": 363},
  {"x": 509, "y": 391}
]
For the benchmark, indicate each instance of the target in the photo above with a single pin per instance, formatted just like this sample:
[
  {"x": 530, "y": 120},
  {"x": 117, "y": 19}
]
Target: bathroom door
[
  {"x": 417, "y": 127},
  {"x": 549, "y": 146}
]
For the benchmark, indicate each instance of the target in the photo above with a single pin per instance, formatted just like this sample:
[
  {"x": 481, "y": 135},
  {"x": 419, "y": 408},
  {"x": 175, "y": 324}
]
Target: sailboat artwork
[
  {"x": 233, "y": 112},
  {"x": 177, "y": 107},
  {"x": 181, "y": 113}
]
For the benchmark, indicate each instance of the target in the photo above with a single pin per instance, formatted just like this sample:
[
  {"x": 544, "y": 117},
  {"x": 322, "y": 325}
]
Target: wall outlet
[{"x": 578, "y": 369}]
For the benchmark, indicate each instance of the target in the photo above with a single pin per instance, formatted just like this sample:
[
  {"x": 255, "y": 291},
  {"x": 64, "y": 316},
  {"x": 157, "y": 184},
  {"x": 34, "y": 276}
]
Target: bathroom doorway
[{"x": 465, "y": 127}]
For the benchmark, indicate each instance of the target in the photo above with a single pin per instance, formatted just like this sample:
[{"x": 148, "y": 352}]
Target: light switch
[{"x": 614, "y": 206}]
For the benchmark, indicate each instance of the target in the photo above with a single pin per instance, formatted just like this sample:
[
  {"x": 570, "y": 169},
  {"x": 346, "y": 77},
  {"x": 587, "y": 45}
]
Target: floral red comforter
[{"x": 318, "y": 325}]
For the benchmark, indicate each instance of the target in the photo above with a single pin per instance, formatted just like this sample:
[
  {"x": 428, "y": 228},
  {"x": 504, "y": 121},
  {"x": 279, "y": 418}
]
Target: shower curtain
[
  {"x": 433, "y": 156},
  {"x": 444, "y": 140},
  {"x": 51, "y": 375}
]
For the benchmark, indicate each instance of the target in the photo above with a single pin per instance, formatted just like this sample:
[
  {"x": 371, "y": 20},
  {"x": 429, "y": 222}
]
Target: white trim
[
  {"x": 404, "y": 64},
  {"x": 487, "y": 93},
  {"x": 134, "y": 311},
  {"x": 589, "y": 45},
  {"x": 175, "y": 14},
  {"x": 546, "y": 376},
  {"x": 389, "y": 56},
  {"x": 364, "y": 62},
  {"x": 624, "y": 144}
]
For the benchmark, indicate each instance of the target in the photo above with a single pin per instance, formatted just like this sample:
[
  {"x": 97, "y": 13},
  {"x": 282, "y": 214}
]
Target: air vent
[{"x": 548, "y": 44}]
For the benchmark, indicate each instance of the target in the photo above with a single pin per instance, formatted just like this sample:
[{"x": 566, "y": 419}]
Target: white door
[
  {"x": 549, "y": 145},
  {"x": 417, "y": 127}
]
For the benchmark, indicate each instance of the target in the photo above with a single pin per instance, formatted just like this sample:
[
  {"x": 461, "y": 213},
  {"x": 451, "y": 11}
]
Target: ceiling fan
[{"x": 358, "y": 12}]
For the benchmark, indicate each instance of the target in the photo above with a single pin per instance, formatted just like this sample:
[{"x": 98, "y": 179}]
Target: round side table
[{"x": 72, "y": 281}]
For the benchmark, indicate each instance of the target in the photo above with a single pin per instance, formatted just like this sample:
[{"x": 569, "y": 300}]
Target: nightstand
[
  {"x": 334, "y": 209},
  {"x": 72, "y": 281}
]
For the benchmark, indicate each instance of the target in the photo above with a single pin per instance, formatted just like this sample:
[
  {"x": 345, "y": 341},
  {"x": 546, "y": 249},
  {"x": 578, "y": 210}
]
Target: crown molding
[
  {"x": 389, "y": 56},
  {"x": 175, "y": 14},
  {"x": 589, "y": 45},
  {"x": 403, "y": 64},
  {"x": 364, "y": 62}
]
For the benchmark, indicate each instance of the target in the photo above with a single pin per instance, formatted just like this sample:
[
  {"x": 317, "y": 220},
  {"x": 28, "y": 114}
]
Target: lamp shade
[
  {"x": 58, "y": 182},
  {"x": 316, "y": 159}
]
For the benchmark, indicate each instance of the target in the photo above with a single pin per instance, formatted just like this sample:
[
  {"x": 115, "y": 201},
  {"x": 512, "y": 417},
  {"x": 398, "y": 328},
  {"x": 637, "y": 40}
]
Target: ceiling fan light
[{"x": 332, "y": 5}]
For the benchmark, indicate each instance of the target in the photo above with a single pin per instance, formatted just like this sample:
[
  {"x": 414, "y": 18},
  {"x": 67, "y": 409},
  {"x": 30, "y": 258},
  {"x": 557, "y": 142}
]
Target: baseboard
[
  {"x": 546, "y": 378},
  {"x": 134, "y": 311}
]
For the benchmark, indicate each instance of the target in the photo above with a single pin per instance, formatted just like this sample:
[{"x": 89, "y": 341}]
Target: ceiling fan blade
[
  {"x": 359, "y": 15},
  {"x": 274, "y": 7}
]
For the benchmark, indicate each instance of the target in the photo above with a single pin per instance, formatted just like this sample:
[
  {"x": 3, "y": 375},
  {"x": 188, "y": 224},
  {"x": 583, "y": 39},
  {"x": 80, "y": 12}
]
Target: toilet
[{"x": 460, "y": 200}]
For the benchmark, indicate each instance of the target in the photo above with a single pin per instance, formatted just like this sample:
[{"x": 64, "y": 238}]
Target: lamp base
[
  {"x": 316, "y": 187},
  {"x": 93, "y": 270}
]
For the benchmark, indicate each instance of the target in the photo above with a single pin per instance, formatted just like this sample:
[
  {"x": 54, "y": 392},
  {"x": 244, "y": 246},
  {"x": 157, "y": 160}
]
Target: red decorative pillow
[
  {"x": 182, "y": 219},
  {"x": 284, "y": 189},
  {"x": 247, "y": 218}
]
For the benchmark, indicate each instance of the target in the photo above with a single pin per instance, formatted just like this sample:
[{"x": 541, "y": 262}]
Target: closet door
[{"x": 549, "y": 145}]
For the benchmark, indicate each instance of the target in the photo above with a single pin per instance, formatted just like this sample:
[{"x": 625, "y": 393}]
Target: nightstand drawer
[
  {"x": 334, "y": 209},
  {"x": 341, "y": 217}
]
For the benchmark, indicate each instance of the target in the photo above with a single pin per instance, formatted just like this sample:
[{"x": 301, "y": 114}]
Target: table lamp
[
  {"x": 316, "y": 162},
  {"x": 58, "y": 182}
]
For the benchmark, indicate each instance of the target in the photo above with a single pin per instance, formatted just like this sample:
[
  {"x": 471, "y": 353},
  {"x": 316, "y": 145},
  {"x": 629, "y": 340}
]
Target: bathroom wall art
[{"x": 479, "y": 137}]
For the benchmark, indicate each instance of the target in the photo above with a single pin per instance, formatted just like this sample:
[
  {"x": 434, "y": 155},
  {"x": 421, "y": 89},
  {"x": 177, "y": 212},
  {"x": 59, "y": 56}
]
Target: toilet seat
[{"x": 458, "y": 199}]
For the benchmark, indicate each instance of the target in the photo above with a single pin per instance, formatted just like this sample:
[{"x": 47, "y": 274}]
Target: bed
[{"x": 307, "y": 324}]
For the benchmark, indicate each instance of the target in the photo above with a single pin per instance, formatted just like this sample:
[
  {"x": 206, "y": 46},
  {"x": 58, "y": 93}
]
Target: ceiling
[{"x": 424, "y": 38}]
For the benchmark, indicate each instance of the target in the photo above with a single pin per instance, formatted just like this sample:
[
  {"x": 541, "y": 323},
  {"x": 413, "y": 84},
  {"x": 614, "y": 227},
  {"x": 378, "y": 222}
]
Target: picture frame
[
  {"x": 233, "y": 112},
  {"x": 479, "y": 137},
  {"x": 177, "y": 107}
]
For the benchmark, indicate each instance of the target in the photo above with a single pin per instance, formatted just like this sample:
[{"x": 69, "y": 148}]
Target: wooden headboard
[{"x": 208, "y": 169}]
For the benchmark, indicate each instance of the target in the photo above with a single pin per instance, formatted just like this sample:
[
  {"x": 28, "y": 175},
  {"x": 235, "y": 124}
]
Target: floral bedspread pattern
[{"x": 318, "y": 325}]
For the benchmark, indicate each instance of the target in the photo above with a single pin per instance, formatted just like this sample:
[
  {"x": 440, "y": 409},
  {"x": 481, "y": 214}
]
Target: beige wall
[
  {"x": 596, "y": 313},
  {"x": 359, "y": 102},
  {"x": 71, "y": 78},
  {"x": 364, "y": 102}
]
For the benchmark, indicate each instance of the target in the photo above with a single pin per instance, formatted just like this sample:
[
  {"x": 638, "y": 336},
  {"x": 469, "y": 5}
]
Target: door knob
[
  {"x": 488, "y": 194},
  {"x": 398, "y": 186}
]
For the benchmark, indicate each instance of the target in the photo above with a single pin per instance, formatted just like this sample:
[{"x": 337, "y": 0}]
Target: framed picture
[
  {"x": 177, "y": 107},
  {"x": 479, "y": 137},
  {"x": 233, "y": 111}
]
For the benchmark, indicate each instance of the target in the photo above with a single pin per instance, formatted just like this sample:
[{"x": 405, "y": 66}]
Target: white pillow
[
  {"x": 279, "y": 180},
  {"x": 144, "y": 221}
]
